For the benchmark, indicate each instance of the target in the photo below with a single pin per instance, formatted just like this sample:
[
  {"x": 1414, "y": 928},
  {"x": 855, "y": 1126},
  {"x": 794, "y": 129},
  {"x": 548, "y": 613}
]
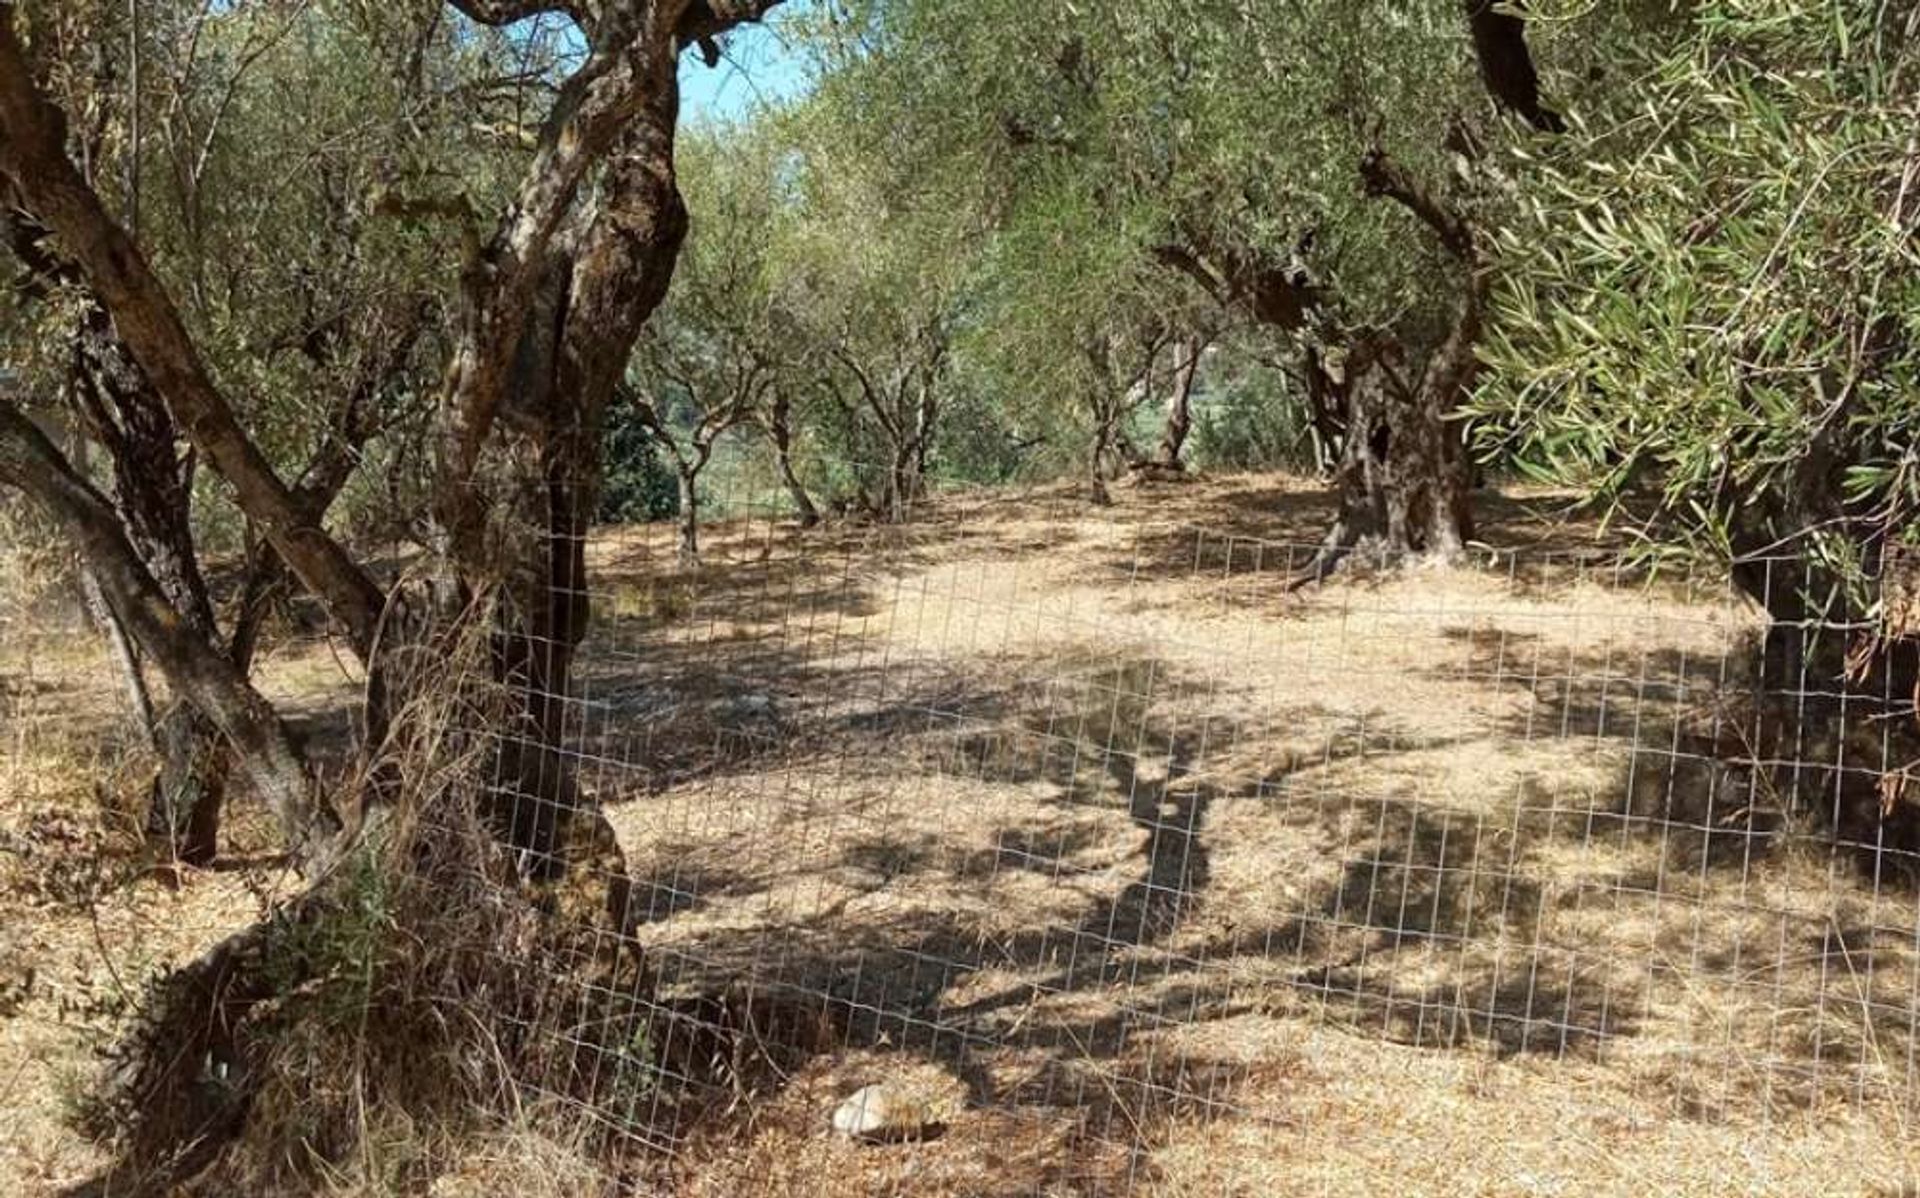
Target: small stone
[
  {"x": 877, "y": 1113},
  {"x": 754, "y": 708}
]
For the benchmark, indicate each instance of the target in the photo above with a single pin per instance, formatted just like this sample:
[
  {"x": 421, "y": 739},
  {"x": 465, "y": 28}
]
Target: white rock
[{"x": 879, "y": 1113}]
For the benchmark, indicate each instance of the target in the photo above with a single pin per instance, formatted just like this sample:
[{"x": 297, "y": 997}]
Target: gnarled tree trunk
[
  {"x": 911, "y": 437},
  {"x": 1834, "y": 729},
  {"x": 555, "y": 300},
  {"x": 1402, "y": 480},
  {"x": 193, "y": 666},
  {"x": 616, "y": 263},
  {"x": 115, "y": 405}
]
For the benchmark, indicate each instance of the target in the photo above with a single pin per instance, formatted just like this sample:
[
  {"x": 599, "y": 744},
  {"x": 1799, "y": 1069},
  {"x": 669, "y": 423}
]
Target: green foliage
[
  {"x": 305, "y": 179},
  {"x": 1714, "y": 298},
  {"x": 638, "y": 484},
  {"x": 1088, "y": 141},
  {"x": 337, "y": 961},
  {"x": 1255, "y": 420}
]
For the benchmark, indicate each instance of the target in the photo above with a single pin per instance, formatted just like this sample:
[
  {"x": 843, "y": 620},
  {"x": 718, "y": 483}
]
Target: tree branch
[
  {"x": 1184, "y": 260},
  {"x": 193, "y": 666},
  {"x": 1383, "y": 176},
  {"x": 1282, "y": 296},
  {"x": 33, "y": 154},
  {"x": 623, "y": 102},
  {"x": 705, "y": 20},
  {"x": 507, "y": 12}
]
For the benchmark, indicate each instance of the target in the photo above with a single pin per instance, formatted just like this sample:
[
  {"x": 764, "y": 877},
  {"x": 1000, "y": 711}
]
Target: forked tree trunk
[
  {"x": 780, "y": 430},
  {"x": 900, "y": 490},
  {"x": 152, "y": 492},
  {"x": 573, "y": 358},
  {"x": 910, "y": 433},
  {"x": 192, "y": 665},
  {"x": 1097, "y": 490},
  {"x": 1404, "y": 481}
]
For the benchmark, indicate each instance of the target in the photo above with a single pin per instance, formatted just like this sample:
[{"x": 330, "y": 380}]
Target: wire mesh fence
[{"x": 1098, "y": 833}]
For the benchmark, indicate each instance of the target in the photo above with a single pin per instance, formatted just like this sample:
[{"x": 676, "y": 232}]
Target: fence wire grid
[{"x": 1100, "y": 821}]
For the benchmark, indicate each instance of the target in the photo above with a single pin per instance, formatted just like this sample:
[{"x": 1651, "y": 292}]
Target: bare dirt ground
[{"x": 1186, "y": 882}]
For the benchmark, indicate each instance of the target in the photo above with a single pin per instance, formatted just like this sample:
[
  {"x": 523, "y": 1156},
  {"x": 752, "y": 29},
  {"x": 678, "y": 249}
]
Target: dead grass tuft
[{"x": 401, "y": 1005}]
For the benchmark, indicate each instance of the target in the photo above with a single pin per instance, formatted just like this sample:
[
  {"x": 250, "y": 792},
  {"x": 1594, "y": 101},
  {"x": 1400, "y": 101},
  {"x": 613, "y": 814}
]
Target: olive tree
[
  {"x": 562, "y": 256},
  {"x": 720, "y": 348},
  {"x": 1314, "y": 171},
  {"x": 876, "y": 277},
  {"x": 1708, "y": 319},
  {"x": 246, "y": 148}
]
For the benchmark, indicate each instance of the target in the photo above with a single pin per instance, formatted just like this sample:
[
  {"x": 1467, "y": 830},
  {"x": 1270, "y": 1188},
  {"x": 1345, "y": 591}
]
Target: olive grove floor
[
  {"x": 1201, "y": 885},
  {"x": 1164, "y": 877}
]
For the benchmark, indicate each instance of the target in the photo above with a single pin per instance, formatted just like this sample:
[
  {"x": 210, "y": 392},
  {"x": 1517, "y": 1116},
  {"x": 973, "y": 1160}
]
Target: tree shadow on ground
[
  {"x": 1782, "y": 913},
  {"x": 1268, "y": 532},
  {"x": 1433, "y": 927},
  {"x": 1087, "y": 999}
]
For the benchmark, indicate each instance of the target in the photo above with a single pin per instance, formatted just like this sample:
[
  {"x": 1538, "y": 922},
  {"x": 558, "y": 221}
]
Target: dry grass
[
  {"x": 1186, "y": 883},
  {"x": 82, "y": 927},
  {"x": 1217, "y": 887}
]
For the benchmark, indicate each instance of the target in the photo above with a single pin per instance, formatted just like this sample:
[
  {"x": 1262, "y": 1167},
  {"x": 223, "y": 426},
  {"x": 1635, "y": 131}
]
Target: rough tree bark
[
  {"x": 117, "y": 408},
  {"x": 1401, "y": 478},
  {"x": 1833, "y": 727},
  {"x": 618, "y": 111},
  {"x": 152, "y": 486},
  {"x": 593, "y": 275},
  {"x": 1404, "y": 481},
  {"x": 619, "y": 274},
  {"x": 1105, "y": 408},
  {"x": 1402, "y": 475}
]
